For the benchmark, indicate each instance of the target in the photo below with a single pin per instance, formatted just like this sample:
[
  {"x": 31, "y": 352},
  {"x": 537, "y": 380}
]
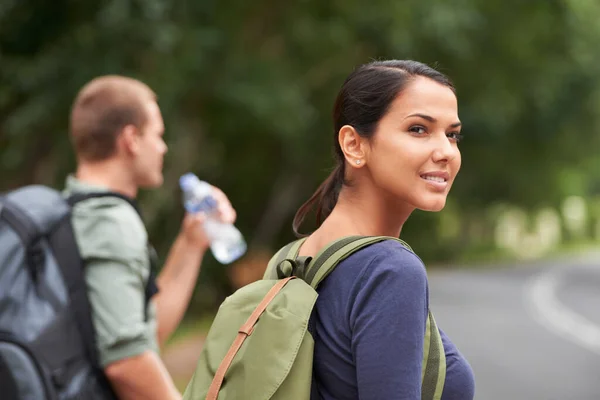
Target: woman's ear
[{"x": 353, "y": 146}]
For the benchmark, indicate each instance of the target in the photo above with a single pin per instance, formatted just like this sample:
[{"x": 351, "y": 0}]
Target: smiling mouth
[{"x": 438, "y": 179}]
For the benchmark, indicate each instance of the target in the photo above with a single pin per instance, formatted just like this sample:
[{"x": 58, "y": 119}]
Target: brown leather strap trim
[{"x": 244, "y": 331}]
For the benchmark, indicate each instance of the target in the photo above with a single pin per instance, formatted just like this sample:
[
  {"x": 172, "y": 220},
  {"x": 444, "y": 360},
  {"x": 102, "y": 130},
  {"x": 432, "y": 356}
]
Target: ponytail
[{"x": 323, "y": 200}]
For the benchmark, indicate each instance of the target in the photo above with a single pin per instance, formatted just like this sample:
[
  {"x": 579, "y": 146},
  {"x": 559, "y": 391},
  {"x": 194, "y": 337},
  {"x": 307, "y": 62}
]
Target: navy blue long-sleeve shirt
[{"x": 369, "y": 325}]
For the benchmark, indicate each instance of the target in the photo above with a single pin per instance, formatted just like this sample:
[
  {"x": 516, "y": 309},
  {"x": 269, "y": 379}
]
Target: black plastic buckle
[{"x": 297, "y": 267}]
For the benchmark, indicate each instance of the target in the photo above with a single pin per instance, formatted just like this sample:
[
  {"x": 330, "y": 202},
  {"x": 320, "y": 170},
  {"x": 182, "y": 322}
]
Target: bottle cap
[{"x": 187, "y": 181}]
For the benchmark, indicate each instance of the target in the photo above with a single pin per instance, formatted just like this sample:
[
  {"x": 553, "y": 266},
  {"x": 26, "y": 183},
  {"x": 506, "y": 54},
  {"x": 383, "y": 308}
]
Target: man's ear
[
  {"x": 129, "y": 140},
  {"x": 353, "y": 146}
]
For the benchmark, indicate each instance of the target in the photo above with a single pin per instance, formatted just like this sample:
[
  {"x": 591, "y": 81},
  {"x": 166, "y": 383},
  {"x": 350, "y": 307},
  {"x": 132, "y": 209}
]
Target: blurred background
[{"x": 247, "y": 89}]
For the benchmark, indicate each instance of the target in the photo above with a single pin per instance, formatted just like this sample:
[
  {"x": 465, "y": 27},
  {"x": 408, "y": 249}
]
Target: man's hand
[
  {"x": 225, "y": 210},
  {"x": 192, "y": 227},
  {"x": 178, "y": 277}
]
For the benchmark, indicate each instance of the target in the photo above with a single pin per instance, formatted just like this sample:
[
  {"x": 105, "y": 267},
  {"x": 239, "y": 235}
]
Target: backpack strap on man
[
  {"x": 79, "y": 197},
  {"x": 151, "y": 287},
  {"x": 65, "y": 250}
]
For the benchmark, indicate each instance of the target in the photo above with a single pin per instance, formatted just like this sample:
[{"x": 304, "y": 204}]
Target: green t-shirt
[{"x": 112, "y": 240}]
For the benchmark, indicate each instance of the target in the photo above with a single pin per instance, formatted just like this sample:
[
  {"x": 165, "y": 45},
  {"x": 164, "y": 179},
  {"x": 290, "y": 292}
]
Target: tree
[{"x": 247, "y": 90}]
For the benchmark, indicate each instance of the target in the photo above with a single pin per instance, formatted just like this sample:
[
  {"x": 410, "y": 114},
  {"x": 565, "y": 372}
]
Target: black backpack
[{"x": 47, "y": 339}]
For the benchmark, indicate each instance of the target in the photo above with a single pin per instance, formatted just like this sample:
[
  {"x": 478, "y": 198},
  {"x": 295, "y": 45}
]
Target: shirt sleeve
[
  {"x": 387, "y": 321},
  {"x": 116, "y": 295},
  {"x": 116, "y": 269}
]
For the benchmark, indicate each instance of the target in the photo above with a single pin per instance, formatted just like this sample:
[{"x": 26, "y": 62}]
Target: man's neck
[{"x": 109, "y": 174}]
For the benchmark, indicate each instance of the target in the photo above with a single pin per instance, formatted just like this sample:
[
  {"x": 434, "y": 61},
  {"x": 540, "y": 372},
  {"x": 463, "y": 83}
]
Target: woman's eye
[
  {"x": 456, "y": 136},
  {"x": 419, "y": 130}
]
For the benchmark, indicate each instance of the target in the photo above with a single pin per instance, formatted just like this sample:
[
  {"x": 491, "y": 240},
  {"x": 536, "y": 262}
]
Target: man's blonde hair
[{"x": 102, "y": 109}]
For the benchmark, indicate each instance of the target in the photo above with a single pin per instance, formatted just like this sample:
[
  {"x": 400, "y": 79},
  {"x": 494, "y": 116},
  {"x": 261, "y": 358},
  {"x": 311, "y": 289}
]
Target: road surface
[{"x": 530, "y": 332}]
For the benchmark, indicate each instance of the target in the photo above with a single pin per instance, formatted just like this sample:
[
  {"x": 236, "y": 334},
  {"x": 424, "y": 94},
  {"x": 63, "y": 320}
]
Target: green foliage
[{"x": 247, "y": 90}]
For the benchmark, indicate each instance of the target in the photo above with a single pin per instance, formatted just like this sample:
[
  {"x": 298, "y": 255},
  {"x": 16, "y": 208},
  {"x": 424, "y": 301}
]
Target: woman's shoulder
[
  {"x": 393, "y": 249},
  {"x": 373, "y": 279},
  {"x": 383, "y": 275},
  {"x": 392, "y": 254},
  {"x": 388, "y": 259}
]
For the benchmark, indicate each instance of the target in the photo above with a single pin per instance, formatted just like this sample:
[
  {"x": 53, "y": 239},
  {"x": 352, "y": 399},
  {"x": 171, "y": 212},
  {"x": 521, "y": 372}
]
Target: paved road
[{"x": 530, "y": 332}]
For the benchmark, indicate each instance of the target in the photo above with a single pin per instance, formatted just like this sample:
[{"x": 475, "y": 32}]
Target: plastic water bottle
[{"x": 226, "y": 242}]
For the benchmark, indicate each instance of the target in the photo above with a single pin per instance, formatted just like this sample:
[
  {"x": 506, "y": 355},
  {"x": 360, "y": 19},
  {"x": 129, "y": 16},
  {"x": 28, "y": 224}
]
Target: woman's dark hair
[{"x": 363, "y": 100}]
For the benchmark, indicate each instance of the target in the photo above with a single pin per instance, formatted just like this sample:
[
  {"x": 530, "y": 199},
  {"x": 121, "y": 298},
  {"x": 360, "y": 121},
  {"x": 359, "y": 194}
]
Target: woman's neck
[{"x": 363, "y": 214}]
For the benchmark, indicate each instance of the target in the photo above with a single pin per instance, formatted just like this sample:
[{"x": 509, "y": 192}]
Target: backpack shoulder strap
[
  {"x": 433, "y": 373},
  {"x": 337, "y": 251},
  {"x": 151, "y": 287},
  {"x": 79, "y": 197},
  {"x": 65, "y": 251},
  {"x": 290, "y": 251}
]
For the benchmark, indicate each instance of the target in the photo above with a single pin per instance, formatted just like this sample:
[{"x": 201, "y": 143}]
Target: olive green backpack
[{"x": 259, "y": 346}]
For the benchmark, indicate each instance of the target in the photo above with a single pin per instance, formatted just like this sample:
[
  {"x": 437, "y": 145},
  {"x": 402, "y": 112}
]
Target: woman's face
[{"x": 413, "y": 156}]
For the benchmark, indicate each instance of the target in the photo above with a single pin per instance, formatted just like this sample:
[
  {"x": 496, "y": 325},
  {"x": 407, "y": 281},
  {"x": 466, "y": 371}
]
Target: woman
[{"x": 396, "y": 145}]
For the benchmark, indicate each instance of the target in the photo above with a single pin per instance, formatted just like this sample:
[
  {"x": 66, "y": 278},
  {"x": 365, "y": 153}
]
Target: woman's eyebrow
[{"x": 432, "y": 120}]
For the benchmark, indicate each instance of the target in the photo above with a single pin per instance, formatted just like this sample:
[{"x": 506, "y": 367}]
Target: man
[{"x": 117, "y": 131}]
